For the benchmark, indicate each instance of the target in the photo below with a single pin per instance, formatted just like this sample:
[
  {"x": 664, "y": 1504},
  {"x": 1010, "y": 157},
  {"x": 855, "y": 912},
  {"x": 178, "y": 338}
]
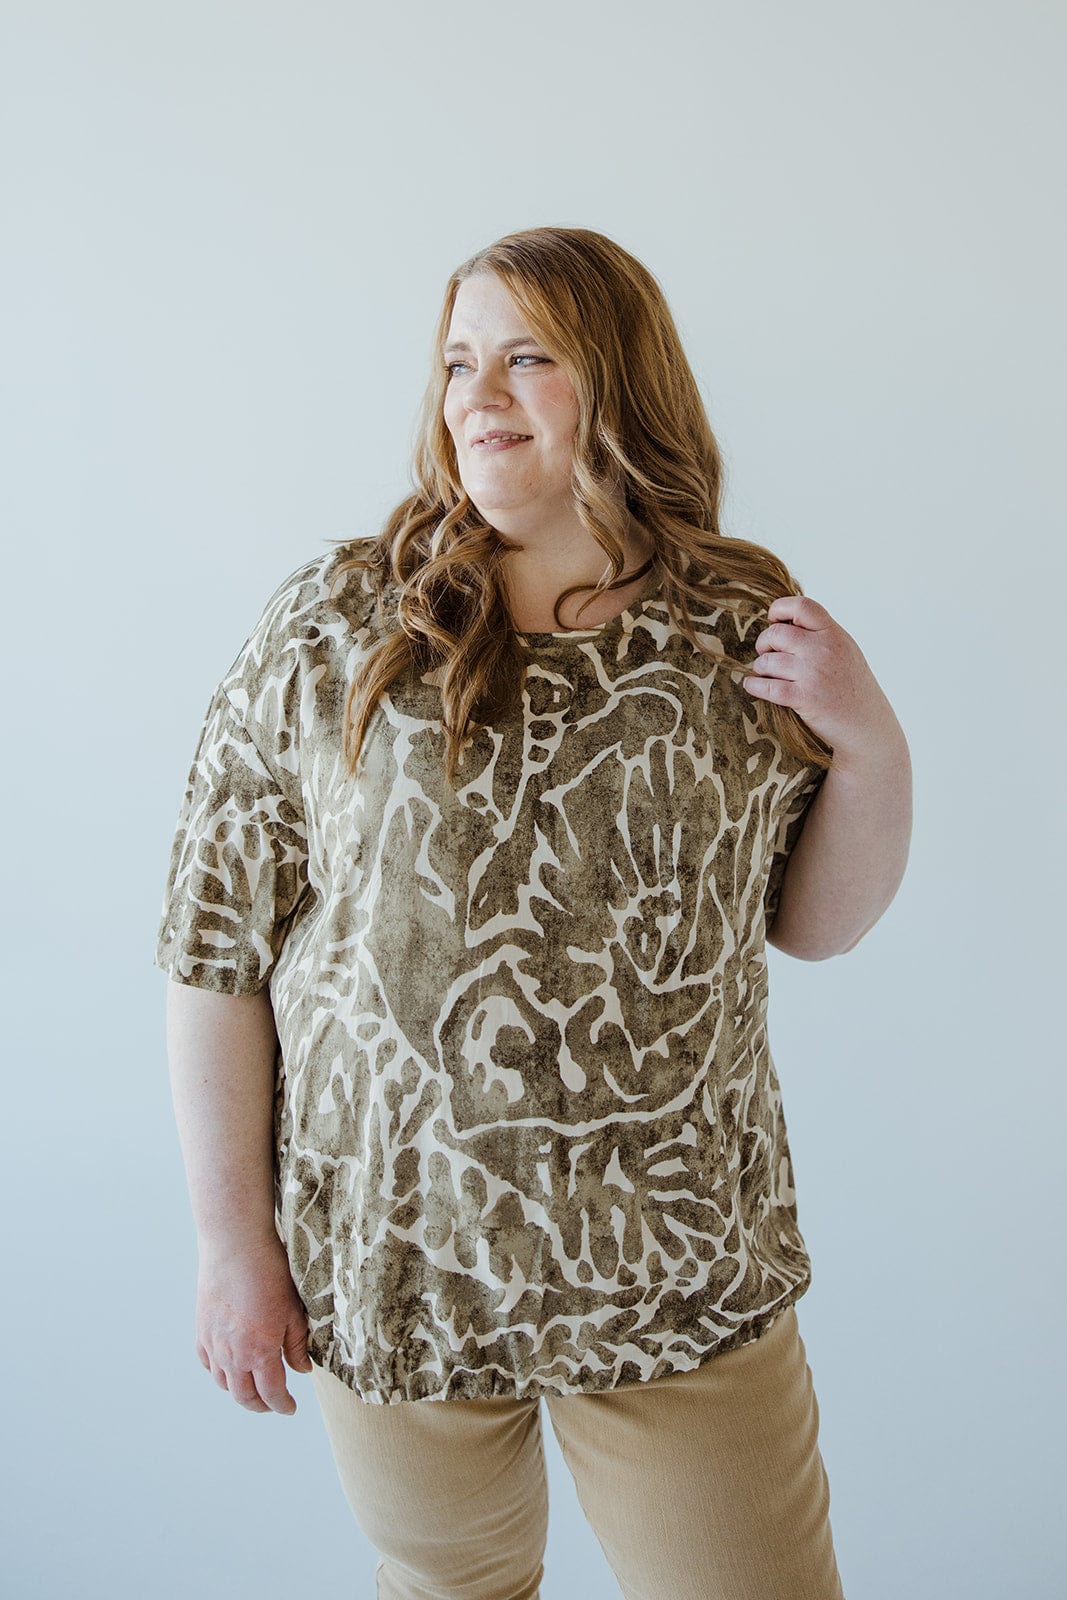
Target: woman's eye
[{"x": 451, "y": 366}]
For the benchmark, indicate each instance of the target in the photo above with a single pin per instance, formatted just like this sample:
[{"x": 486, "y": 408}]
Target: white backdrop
[{"x": 229, "y": 226}]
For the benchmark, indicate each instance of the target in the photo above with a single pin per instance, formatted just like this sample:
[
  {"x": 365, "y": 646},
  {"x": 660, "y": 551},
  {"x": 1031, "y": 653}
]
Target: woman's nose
[{"x": 485, "y": 387}]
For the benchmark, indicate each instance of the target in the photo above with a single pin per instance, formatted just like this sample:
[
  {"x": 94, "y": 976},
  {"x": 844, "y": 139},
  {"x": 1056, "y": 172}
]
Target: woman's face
[{"x": 501, "y": 381}]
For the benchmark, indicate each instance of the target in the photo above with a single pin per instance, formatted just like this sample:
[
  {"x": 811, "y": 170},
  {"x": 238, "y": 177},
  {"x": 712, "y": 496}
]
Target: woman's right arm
[{"x": 221, "y": 1050}]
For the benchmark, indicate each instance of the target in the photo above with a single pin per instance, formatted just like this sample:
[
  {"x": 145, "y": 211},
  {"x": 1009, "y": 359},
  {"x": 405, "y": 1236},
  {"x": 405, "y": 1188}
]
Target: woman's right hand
[{"x": 248, "y": 1314}]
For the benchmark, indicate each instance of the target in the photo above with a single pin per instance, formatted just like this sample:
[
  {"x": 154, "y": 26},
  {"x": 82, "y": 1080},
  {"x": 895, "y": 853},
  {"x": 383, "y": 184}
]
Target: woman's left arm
[{"x": 847, "y": 864}]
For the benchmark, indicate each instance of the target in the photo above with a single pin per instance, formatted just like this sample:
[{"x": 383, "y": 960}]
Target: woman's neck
[{"x": 534, "y": 577}]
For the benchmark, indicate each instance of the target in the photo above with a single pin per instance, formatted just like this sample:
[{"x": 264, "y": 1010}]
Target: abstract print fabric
[{"x": 529, "y": 1132}]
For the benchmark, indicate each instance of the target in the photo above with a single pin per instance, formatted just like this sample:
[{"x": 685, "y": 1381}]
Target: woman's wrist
[{"x": 250, "y": 1236}]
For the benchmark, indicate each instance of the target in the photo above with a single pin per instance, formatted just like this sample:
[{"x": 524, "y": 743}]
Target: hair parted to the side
[{"x": 642, "y": 428}]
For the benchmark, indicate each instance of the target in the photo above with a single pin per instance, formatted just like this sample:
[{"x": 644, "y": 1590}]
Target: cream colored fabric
[
  {"x": 706, "y": 1485},
  {"x": 529, "y": 1130}
]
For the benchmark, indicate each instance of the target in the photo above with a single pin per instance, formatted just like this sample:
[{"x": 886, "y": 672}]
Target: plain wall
[{"x": 228, "y": 229}]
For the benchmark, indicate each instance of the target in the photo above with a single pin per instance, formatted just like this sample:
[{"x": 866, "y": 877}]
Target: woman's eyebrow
[{"x": 509, "y": 344}]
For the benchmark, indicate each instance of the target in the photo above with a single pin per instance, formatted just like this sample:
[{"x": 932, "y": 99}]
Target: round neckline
[{"x": 600, "y": 629}]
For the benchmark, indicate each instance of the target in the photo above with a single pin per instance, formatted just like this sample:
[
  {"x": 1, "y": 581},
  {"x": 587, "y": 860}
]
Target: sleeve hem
[{"x": 192, "y": 974}]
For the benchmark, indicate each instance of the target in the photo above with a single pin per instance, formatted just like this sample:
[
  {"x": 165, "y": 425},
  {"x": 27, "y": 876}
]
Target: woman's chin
[{"x": 504, "y": 511}]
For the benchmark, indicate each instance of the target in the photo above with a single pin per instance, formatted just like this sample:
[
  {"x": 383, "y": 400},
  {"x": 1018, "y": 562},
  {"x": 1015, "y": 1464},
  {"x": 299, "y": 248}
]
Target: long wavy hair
[{"x": 643, "y": 449}]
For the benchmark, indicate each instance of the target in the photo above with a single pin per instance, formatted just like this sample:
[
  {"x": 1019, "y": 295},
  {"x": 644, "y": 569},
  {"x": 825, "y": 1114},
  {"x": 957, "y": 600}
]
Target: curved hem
[{"x": 464, "y": 1384}]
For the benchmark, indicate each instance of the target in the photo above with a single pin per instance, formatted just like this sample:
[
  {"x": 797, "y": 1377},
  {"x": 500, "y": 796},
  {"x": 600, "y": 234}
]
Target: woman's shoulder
[
  {"x": 318, "y": 608},
  {"x": 332, "y": 581},
  {"x": 731, "y": 621}
]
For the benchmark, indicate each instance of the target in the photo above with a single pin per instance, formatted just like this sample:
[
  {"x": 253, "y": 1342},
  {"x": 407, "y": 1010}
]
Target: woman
[{"x": 488, "y": 827}]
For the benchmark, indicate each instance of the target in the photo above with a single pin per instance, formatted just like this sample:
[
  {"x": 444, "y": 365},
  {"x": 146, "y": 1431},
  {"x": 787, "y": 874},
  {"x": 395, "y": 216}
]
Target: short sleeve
[
  {"x": 788, "y": 831},
  {"x": 238, "y": 866}
]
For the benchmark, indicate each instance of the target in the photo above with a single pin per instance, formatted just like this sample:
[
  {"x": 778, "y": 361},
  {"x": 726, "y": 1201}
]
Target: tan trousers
[{"x": 704, "y": 1485}]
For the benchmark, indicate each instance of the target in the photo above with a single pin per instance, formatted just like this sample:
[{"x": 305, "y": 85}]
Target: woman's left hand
[{"x": 808, "y": 662}]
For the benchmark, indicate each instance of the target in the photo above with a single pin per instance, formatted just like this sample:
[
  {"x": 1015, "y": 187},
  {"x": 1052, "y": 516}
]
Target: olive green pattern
[{"x": 529, "y": 1129}]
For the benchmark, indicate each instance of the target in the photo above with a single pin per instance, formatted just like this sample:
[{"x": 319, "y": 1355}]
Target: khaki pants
[{"x": 704, "y": 1485}]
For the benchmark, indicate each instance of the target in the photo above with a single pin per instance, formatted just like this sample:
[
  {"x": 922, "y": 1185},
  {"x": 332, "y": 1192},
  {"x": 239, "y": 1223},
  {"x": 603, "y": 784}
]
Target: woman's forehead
[{"x": 484, "y": 305}]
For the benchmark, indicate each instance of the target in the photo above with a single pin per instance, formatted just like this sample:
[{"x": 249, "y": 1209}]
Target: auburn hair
[{"x": 643, "y": 441}]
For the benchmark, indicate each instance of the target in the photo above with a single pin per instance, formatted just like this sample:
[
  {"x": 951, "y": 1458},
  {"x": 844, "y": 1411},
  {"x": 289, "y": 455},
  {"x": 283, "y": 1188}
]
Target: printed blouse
[{"x": 529, "y": 1132}]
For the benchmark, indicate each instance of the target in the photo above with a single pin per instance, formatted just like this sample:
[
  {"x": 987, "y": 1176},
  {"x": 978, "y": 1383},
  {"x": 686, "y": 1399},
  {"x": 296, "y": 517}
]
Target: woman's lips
[{"x": 497, "y": 444}]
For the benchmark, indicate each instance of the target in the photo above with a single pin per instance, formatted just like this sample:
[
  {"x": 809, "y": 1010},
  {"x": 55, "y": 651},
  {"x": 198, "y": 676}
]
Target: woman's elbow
[{"x": 810, "y": 949}]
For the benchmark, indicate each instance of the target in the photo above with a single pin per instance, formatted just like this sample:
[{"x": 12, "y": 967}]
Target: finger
[
  {"x": 255, "y": 1404},
  {"x": 218, "y": 1374},
  {"x": 242, "y": 1386},
  {"x": 270, "y": 1383},
  {"x": 799, "y": 609},
  {"x": 779, "y": 636},
  {"x": 775, "y": 664},
  {"x": 295, "y": 1345},
  {"x": 780, "y": 690},
  {"x": 203, "y": 1357}
]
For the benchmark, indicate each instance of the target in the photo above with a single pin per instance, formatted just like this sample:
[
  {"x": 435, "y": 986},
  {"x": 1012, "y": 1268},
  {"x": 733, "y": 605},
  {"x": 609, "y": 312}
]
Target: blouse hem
[{"x": 492, "y": 1385}]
